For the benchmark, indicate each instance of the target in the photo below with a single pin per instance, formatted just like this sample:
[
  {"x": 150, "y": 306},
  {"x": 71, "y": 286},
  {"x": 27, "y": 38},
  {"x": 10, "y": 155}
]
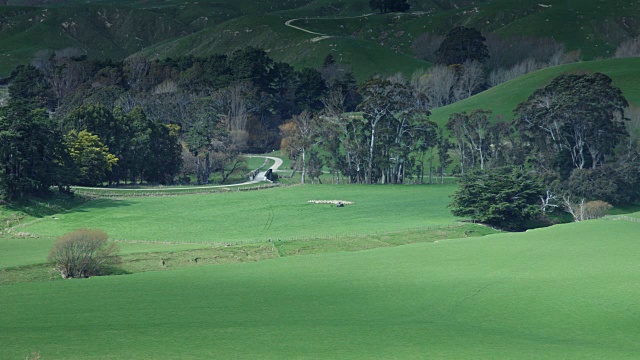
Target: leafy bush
[
  {"x": 507, "y": 197},
  {"x": 83, "y": 253}
]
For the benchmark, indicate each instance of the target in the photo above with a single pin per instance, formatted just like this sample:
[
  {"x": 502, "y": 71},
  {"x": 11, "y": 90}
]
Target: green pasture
[
  {"x": 254, "y": 163},
  {"x": 504, "y": 98},
  {"x": 237, "y": 217},
  {"x": 565, "y": 292}
]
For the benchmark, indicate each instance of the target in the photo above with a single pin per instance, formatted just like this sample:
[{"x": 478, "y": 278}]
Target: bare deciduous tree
[
  {"x": 299, "y": 135},
  {"x": 439, "y": 82},
  {"x": 581, "y": 211},
  {"x": 629, "y": 48},
  {"x": 471, "y": 77},
  {"x": 83, "y": 253}
]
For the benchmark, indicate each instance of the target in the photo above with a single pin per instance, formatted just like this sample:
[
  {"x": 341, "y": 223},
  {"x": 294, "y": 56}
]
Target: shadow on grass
[
  {"x": 99, "y": 204},
  {"x": 626, "y": 209},
  {"x": 114, "y": 270},
  {"x": 45, "y": 204},
  {"x": 55, "y": 203}
]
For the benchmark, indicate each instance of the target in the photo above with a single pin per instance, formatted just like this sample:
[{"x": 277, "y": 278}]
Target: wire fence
[{"x": 116, "y": 193}]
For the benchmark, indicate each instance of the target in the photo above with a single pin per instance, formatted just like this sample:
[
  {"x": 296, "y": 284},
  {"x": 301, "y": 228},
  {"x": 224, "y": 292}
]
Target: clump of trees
[
  {"x": 462, "y": 44},
  {"x": 152, "y": 116},
  {"x": 576, "y": 135},
  {"x": 385, "y": 144},
  {"x": 83, "y": 253}
]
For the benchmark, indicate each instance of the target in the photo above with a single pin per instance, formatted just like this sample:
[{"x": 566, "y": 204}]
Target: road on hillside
[
  {"x": 322, "y": 36},
  {"x": 259, "y": 178}
]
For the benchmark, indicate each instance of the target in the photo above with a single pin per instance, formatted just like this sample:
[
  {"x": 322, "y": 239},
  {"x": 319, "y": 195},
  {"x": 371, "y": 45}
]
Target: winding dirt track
[
  {"x": 321, "y": 36},
  {"x": 259, "y": 178}
]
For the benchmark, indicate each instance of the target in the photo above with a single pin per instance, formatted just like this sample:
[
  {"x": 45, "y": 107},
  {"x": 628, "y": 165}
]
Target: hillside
[
  {"x": 100, "y": 31},
  {"x": 504, "y": 98},
  {"x": 568, "y": 291},
  {"x": 120, "y": 28},
  {"x": 287, "y": 44}
]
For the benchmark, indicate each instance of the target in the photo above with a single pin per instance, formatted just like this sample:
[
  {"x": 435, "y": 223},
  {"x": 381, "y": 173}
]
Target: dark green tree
[
  {"x": 167, "y": 154},
  {"x": 251, "y": 64},
  {"x": 507, "y": 197},
  {"x": 576, "y": 121},
  {"x": 140, "y": 150},
  {"x": 29, "y": 87},
  {"x": 113, "y": 130},
  {"x": 282, "y": 87},
  {"x": 310, "y": 89},
  {"x": 329, "y": 60},
  {"x": 462, "y": 44},
  {"x": 398, "y": 5},
  {"x": 31, "y": 152},
  {"x": 385, "y": 6}
]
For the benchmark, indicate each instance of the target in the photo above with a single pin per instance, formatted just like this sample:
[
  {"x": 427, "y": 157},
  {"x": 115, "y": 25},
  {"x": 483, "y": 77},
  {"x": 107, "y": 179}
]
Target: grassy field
[
  {"x": 144, "y": 224},
  {"x": 568, "y": 291},
  {"x": 504, "y": 98}
]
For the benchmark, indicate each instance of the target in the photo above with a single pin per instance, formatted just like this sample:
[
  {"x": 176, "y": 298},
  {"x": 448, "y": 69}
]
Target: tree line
[{"x": 152, "y": 121}]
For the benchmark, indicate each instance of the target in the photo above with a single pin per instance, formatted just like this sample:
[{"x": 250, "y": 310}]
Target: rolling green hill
[
  {"x": 569, "y": 291},
  {"x": 504, "y": 98},
  {"x": 98, "y": 30},
  {"x": 290, "y": 45},
  {"x": 371, "y": 44}
]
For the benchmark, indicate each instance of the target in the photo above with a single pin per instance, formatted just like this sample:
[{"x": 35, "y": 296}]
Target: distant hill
[
  {"x": 98, "y": 30},
  {"x": 504, "y": 98},
  {"x": 370, "y": 44}
]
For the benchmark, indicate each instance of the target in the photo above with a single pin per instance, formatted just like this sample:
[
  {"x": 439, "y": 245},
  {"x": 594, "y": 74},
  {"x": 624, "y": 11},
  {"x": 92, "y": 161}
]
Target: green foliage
[
  {"x": 30, "y": 151},
  {"x": 507, "y": 197},
  {"x": 29, "y": 87},
  {"x": 311, "y": 88},
  {"x": 146, "y": 150},
  {"x": 617, "y": 183},
  {"x": 83, "y": 253},
  {"x": 462, "y": 44},
  {"x": 581, "y": 116},
  {"x": 393, "y": 121},
  {"x": 91, "y": 159}
]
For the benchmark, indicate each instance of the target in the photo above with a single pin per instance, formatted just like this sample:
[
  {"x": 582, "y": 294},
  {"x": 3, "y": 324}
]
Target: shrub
[
  {"x": 83, "y": 253},
  {"x": 586, "y": 210},
  {"x": 507, "y": 197}
]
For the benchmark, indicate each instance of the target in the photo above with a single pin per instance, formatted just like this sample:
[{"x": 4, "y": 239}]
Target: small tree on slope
[{"x": 83, "y": 253}]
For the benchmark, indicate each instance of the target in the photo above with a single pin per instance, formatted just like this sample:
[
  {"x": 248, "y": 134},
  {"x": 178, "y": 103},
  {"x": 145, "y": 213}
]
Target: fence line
[{"x": 622, "y": 217}]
